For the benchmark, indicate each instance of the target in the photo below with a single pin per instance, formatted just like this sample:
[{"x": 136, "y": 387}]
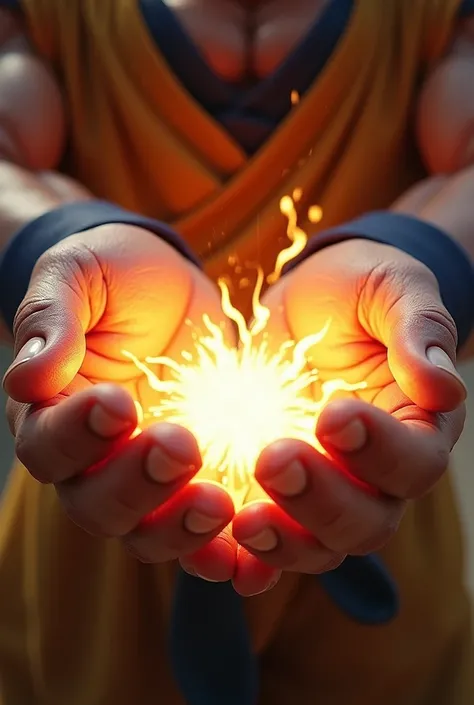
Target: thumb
[
  {"x": 49, "y": 334},
  {"x": 421, "y": 339}
]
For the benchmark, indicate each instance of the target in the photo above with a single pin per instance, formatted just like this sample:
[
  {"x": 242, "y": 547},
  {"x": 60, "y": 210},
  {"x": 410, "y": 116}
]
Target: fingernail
[
  {"x": 290, "y": 480},
  {"x": 348, "y": 439},
  {"x": 191, "y": 572},
  {"x": 31, "y": 349},
  {"x": 197, "y": 522},
  {"x": 440, "y": 359},
  {"x": 265, "y": 540},
  {"x": 172, "y": 455},
  {"x": 274, "y": 582},
  {"x": 194, "y": 574},
  {"x": 162, "y": 468},
  {"x": 180, "y": 447},
  {"x": 107, "y": 425},
  {"x": 207, "y": 580}
]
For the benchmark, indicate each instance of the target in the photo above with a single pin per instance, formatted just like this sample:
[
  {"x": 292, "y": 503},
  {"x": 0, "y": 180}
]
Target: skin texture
[
  {"x": 80, "y": 316},
  {"x": 59, "y": 394},
  {"x": 386, "y": 316},
  {"x": 247, "y": 39}
]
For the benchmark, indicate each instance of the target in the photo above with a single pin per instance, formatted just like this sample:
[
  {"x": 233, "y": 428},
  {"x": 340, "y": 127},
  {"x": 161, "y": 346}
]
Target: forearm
[
  {"x": 24, "y": 196},
  {"x": 448, "y": 203},
  {"x": 32, "y": 134},
  {"x": 445, "y": 130}
]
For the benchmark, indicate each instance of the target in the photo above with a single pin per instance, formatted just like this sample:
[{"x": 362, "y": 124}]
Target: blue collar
[{"x": 248, "y": 115}]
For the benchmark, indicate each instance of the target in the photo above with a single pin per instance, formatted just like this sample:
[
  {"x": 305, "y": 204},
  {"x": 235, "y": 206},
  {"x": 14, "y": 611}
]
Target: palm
[
  {"x": 350, "y": 350},
  {"x": 348, "y": 353},
  {"x": 115, "y": 292},
  {"x": 145, "y": 300}
]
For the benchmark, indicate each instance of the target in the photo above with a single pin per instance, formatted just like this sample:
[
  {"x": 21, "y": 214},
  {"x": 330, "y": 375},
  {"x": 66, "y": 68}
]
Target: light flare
[
  {"x": 296, "y": 235},
  {"x": 294, "y": 97},
  {"x": 238, "y": 400}
]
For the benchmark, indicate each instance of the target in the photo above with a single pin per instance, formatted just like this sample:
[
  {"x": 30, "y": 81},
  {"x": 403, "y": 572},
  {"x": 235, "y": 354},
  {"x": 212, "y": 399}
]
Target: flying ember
[{"x": 238, "y": 400}]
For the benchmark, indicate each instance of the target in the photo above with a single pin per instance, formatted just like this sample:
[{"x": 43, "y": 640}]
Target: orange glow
[
  {"x": 236, "y": 401},
  {"x": 294, "y": 97}
]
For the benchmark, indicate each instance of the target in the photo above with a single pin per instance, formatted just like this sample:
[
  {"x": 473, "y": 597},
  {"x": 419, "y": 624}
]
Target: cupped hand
[
  {"x": 384, "y": 445},
  {"x": 72, "y": 394}
]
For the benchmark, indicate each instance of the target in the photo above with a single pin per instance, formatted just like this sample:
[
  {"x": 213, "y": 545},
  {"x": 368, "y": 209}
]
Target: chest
[{"x": 246, "y": 40}]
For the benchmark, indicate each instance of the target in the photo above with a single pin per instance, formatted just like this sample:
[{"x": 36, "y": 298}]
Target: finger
[
  {"x": 49, "y": 329},
  {"x": 335, "y": 509},
  {"x": 252, "y": 575},
  {"x": 62, "y": 440},
  {"x": 403, "y": 455},
  {"x": 111, "y": 498},
  {"x": 189, "y": 521},
  {"x": 406, "y": 314},
  {"x": 280, "y": 541},
  {"x": 214, "y": 562}
]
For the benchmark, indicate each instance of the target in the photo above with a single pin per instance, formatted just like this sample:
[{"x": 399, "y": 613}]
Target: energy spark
[{"x": 238, "y": 400}]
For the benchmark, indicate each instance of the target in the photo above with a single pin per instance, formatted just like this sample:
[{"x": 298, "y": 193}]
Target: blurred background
[{"x": 463, "y": 465}]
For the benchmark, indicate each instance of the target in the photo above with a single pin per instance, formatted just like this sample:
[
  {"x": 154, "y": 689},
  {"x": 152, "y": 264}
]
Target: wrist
[
  {"x": 38, "y": 236},
  {"x": 426, "y": 243}
]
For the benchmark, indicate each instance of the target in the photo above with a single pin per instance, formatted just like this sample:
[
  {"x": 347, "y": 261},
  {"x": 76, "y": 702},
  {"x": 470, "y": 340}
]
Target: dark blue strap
[
  {"x": 363, "y": 589},
  {"x": 211, "y": 652},
  {"x": 466, "y": 8},
  {"x": 26, "y": 247},
  {"x": 249, "y": 115},
  {"x": 446, "y": 258}
]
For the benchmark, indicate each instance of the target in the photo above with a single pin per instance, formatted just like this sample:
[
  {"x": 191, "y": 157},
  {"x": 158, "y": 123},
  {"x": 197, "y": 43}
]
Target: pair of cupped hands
[{"x": 71, "y": 404}]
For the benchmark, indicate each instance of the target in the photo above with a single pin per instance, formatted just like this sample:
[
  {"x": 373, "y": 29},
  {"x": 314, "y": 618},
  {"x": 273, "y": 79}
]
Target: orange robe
[{"x": 81, "y": 622}]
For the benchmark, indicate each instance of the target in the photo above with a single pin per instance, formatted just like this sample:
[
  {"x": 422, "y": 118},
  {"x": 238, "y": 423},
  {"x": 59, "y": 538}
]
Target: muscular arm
[
  {"x": 445, "y": 130},
  {"x": 32, "y": 129}
]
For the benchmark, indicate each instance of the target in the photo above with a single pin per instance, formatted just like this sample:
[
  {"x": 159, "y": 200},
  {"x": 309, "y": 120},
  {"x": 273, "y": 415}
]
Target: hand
[
  {"x": 384, "y": 445},
  {"x": 72, "y": 391}
]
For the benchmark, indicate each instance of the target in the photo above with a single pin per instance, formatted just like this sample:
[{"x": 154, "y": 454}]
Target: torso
[{"x": 246, "y": 40}]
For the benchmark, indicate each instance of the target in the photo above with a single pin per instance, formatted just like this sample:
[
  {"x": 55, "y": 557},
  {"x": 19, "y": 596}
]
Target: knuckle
[
  {"x": 187, "y": 564},
  {"x": 323, "y": 564},
  {"x": 401, "y": 480},
  {"x": 380, "y": 535},
  {"x": 408, "y": 280},
  {"x": 15, "y": 414},
  {"x": 356, "y": 535},
  {"x": 30, "y": 309},
  {"x": 140, "y": 556},
  {"x": 387, "y": 476},
  {"x": 439, "y": 318},
  {"x": 126, "y": 514},
  {"x": 143, "y": 551},
  {"x": 336, "y": 521},
  {"x": 67, "y": 463},
  {"x": 80, "y": 513},
  {"x": 68, "y": 264},
  {"x": 420, "y": 482},
  {"x": 452, "y": 426},
  {"x": 26, "y": 453},
  {"x": 52, "y": 458}
]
